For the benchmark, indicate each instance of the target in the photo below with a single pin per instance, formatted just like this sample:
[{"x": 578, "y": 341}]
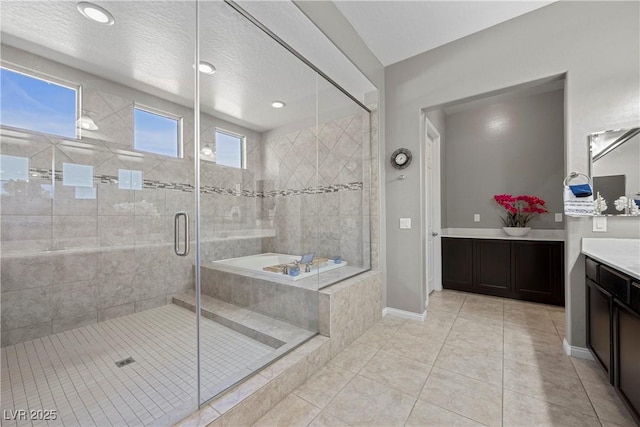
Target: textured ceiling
[
  {"x": 151, "y": 48},
  {"x": 397, "y": 30}
]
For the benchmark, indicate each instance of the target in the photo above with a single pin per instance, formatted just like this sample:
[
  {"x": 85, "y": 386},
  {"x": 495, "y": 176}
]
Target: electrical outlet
[
  {"x": 599, "y": 224},
  {"x": 476, "y": 217},
  {"x": 405, "y": 223},
  {"x": 558, "y": 217}
]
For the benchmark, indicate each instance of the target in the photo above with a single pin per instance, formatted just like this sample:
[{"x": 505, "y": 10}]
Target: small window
[
  {"x": 230, "y": 149},
  {"x": 157, "y": 133},
  {"x": 38, "y": 105}
]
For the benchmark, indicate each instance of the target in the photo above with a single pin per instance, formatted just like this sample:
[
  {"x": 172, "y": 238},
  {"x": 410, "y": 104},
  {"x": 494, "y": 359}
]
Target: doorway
[{"x": 432, "y": 207}]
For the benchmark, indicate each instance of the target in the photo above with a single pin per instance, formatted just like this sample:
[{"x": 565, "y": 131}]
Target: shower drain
[{"x": 124, "y": 362}]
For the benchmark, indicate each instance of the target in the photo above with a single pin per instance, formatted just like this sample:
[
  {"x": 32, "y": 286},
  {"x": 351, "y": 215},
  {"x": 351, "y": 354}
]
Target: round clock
[{"x": 401, "y": 158}]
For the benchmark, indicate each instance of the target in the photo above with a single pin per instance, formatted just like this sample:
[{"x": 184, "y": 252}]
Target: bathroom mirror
[{"x": 615, "y": 169}]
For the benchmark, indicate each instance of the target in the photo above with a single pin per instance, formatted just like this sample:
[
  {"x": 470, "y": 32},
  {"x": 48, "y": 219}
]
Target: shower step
[{"x": 272, "y": 332}]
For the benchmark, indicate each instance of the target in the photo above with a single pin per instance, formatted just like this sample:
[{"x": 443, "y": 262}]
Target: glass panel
[
  {"x": 252, "y": 217},
  {"x": 90, "y": 330},
  {"x": 344, "y": 157}
]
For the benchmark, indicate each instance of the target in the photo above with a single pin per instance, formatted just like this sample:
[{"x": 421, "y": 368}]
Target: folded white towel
[{"x": 577, "y": 206}]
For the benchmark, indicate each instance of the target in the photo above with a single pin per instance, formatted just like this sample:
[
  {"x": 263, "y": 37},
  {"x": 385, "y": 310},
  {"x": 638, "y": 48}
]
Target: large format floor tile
[
  {"x": 471, "y": 362},
  {"x": 397, "y": 372},
  {"x": 521, "y": 410},
  {"x": 368, "y": 403},
  {"x": 420, "y": 349},
  {"x": 291, "y": 411},
  {"x": 425, "y": 414},
  {"x": 466, "y": 396},
  {"x": 476, "y": 360},
  {"x": 324, "y": 385},
  {"x": 564, "y": 390}
]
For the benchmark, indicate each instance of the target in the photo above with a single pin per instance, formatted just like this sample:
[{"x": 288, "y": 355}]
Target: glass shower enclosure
[{"x": 165, "y": 228}]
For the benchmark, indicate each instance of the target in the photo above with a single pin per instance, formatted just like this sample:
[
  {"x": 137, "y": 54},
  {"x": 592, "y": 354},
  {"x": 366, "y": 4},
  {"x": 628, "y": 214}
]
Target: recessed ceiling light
[
  {"x": 278, "y": 104},
  {"x": 206, "y": 68},
  {"x": 95, "y": 13}
]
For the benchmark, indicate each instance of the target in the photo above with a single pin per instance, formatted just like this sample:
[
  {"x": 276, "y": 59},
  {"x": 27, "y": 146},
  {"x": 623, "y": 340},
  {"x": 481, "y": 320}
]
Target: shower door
[
  {"x": 96, "y": 160},
  {"x": 258, "y": 150}
]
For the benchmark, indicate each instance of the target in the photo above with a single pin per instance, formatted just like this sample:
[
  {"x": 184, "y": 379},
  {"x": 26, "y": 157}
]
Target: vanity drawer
[
  {"x": 615, "y": 283},
  {"x": 591, "y": 268},
  {"x": 634, "y": 295}
]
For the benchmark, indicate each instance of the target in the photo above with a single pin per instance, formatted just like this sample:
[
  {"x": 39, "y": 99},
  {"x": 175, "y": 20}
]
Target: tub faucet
[{"x": 285, "y": 270}]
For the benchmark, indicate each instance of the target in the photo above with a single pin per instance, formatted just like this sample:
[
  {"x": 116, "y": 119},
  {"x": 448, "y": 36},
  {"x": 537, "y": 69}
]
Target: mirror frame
[{"x": 626, "y": 135}]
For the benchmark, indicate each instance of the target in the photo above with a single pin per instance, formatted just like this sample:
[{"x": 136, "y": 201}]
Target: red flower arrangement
[{"x": 520, "y": 209}]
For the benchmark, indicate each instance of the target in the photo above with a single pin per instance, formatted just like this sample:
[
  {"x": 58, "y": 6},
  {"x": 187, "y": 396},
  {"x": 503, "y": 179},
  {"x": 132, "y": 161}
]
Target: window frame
[
  {"x": 48, "y": 78},
  {"x": 243, "y": 147},
  {"x": 166, "y": 115}
]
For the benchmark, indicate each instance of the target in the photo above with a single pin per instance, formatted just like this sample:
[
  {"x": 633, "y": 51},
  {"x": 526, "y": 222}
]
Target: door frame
[{"x": 429, "y": 130}]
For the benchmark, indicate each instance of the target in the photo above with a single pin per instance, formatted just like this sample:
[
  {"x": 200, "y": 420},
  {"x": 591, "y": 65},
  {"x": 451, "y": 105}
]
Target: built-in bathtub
[
  {"x": 243, "y": 282},
  {"x": 258, "y": 263}
]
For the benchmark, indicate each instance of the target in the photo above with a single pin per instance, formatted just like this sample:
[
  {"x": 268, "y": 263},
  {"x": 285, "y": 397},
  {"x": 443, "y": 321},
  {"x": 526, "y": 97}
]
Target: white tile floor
[{"x": 74, "y": 372}]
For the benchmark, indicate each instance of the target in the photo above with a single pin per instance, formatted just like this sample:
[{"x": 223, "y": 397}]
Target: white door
[{"x": 429, "y": 176}]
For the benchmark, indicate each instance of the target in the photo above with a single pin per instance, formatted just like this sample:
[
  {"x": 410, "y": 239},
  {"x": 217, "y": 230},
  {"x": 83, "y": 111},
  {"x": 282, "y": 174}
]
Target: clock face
[{"x": 401, "y": 158}]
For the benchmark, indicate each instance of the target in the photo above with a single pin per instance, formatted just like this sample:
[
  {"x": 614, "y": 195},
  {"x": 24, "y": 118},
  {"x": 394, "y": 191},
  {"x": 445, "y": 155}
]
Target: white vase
[{"x": 516, "y": 231}]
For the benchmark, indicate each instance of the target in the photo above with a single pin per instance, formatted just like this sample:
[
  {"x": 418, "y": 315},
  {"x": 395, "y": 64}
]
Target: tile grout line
[
  {"x": 586, "y": 393},
  {"x": 348, "y": 382},
  {"x": 433, "y": 365}
]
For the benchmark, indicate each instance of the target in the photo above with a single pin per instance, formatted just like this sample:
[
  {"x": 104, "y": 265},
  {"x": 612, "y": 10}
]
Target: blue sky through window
[
  {"x": 156, "y": 134},
  {"x": 228, "y": 150},
  {"x": 33, "y": 104}
]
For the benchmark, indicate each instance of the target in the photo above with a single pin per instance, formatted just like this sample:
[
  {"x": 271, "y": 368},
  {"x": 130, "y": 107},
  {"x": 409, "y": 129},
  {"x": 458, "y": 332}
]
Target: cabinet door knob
[{"x": 434, "y": 234}]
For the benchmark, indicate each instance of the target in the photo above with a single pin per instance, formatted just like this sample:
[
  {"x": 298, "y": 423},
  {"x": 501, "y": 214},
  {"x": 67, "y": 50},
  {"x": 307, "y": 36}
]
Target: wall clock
[{"x": 401, "y": 158}]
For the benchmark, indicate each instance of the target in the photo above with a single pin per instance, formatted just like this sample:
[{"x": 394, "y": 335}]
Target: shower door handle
[{"x": 176, "y": 233}]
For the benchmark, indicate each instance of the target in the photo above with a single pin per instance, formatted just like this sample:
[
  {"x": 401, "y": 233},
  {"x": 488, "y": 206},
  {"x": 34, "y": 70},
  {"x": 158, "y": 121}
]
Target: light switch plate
[
  {"x": 558, "y": 217},
  {"x": 405, "y": 223},
  {"x": 476, "y": 217},
  {"x": 599, "y": 224}
]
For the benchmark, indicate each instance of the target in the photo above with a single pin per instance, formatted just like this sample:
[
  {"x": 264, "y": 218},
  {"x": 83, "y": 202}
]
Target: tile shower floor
[
  {"x": 476, "y": 360},
  {"x": 74, "y": 372}
]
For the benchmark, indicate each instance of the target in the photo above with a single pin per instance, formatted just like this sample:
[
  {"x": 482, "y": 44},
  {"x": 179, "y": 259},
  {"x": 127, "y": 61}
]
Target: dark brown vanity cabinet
[
  {"x": 613, "y": 328},
  {"x": 627, "y": 351},
  {"x": 457, "y": 271},
  {"x": 600, "y": 325},
  {"x": 522, "y": 269},
  {"x": 492, "y": 264}
]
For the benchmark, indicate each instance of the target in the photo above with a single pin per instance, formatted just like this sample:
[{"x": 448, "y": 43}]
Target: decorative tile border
[{"x": 46, "y": 174}]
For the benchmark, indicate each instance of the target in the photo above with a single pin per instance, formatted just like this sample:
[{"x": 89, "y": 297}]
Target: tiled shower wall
[
  {"x": 74, "y": 256},
  {"x": 69, "y": 259},
  {"x": 336, "y": 157}
]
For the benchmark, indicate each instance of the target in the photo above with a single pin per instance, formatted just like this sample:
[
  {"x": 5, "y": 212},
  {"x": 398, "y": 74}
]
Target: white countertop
[
  {"x": 621, "y": 254},
  {"x": 498, "y": 233}
]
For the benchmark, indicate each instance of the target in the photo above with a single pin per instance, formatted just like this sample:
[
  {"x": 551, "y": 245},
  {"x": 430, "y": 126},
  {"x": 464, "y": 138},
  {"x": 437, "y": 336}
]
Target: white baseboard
[
  {"x": 579, "y": 352},
  {"x": 404, "y": 314}
]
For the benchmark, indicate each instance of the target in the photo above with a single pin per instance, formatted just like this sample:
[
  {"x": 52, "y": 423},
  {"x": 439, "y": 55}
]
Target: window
[
  {"x": 230, "y": 149},
  {"x": 37, "y": 105},
  {"x": 156, "y": 132}
]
